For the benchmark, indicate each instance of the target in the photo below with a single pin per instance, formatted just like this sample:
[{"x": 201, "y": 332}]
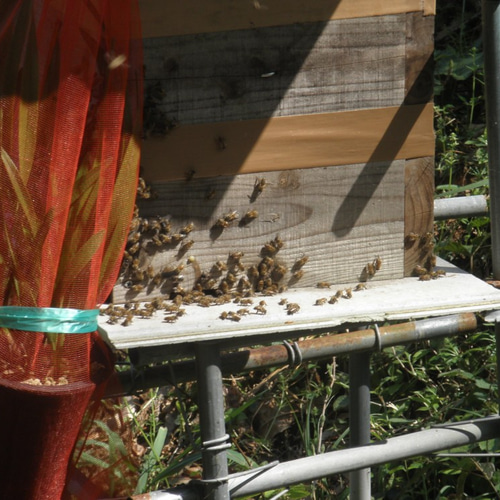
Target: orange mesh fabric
[{"x": 70, "y": 120}]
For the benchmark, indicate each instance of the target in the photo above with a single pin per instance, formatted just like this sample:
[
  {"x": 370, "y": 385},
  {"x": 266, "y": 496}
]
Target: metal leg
[
  {"x": 215, "y": 441},
  {"x": 359, "y": 420}
]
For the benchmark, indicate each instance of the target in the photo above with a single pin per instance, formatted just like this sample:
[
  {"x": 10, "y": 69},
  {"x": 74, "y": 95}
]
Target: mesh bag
[{"x": 70, "y": 121}]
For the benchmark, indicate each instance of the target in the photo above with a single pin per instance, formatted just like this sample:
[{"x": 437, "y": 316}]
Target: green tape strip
[{"x": 49, "y": 319}]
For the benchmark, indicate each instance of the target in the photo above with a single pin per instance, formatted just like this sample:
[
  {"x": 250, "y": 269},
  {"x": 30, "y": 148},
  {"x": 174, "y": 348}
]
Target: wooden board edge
[
  {"x": 419, "y": 212},
  {"x": 163, "y": 18},
  {"x": 291, "y": 142}
]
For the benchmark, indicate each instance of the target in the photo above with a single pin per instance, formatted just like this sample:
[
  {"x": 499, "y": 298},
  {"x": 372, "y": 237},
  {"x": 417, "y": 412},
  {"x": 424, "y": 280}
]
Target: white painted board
[{"x": 391, "y": 300}]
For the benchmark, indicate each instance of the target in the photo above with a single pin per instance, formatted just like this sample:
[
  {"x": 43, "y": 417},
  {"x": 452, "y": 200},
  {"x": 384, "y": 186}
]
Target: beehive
[{"x": 308, "y": 123}]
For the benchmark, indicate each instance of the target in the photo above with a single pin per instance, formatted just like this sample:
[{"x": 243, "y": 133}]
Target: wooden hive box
[{"x": 307, "y": 124}]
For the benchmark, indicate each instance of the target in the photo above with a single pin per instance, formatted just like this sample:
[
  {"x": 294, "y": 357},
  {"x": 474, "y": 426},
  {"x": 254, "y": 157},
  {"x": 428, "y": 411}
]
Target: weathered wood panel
[
  {"x": 419, "y": 212},
  {"x": 280, "y": 71},
  {"x": 291, "y": 142},
  {"x": 341, "y": 218},
  {"x": 169, "y": 17}
]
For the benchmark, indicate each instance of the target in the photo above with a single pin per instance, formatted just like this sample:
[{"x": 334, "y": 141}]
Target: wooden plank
[
  {"x": 419, "y": 216},
  {"x": 419, "y": 58},
  {"x": 341, "y": 218},
  {"x": 290, "y": 142},
  {"x": 392, "y": 300},
  {"x": 280, "y": 71},
  {"x": 169, "y": 17}
]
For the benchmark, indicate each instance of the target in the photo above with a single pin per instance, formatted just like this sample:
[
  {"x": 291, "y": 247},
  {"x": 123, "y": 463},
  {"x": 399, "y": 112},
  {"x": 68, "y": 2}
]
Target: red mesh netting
[{"x": 70, "y": 121}]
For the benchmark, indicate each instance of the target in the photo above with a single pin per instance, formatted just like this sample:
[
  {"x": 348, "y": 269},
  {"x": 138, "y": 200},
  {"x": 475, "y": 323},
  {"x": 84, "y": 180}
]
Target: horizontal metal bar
[
  {"x": 342, "y": 461},
  {"x": 130, "y": 381},
  {"x": 461, "y": 206}
]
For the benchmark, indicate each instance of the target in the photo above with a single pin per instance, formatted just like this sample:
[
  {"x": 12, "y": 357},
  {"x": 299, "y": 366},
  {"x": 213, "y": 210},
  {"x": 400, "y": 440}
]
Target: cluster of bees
[{"x": 426, "y": 244}]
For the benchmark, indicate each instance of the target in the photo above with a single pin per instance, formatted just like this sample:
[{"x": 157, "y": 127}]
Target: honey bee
[
  {"x": 189, "y": 175},
  {"x": 138, "y": 275},
  {"x": 249, "y": 216},
  {"x": 323, "y": 284},
  {"x": 359, "y": 286},
  {"x": 243, "y": 312},
  {"x": 419, "y": 270},
  {"x": 259, "y": 186},
  {"x": 221, "y": 223},
  {"x": 292, "y": 308},
  {"x": 224, "y": 286},
  {"x": 431, "y": 262},
  {"x": 278, "y": 272},
  {"x": 259, "y": 286},
  {"x": 246, "y": 302},
  {"x": 427, "y": 241},
  {"x": 137, "y": 288},
  {"x": 268, "y": 249},
  {"x": 320, "y": 302},
  {"x": 299, "y": 263},
  {"x": 231, "y": 279},
  {"x": 186, "y": 245},
  {"x": 253, "y": 272},
  {"x": 333, "y": 299},
  {"x": 339, "y": 293},
  {"x": 233, "y": 316},
  {"x": 283, "y": 301},
  {"x": 224, "y": 315},
  {"x": 347, "y": 294},
  {"x": 129, "y": 318},
  {"x": 205, "y": 301},
  {"x": 236, "y": 256},
  {"x": 187, "y": 228},
  {"x": 134, "y": 248},
  {"x": 424, "y": 277},
  {"x": 165, "y": 225},
  {"x": 176, "y": 238},
  {"x": 169, "y": 271},
  {"x": 260, "y": 309},
  {"x": 244, "y": 283},
  {"x": 210, "y": 195},
  {"x": 412, "y": 237},
  {"x": 170, "y": 318},
  {"x": 231, "y": 216},
  {"x": 150, "y": 272},
  {"x": 164, "y": 238},
  {"x": 377, "y": 263},
  {"x": 370, "y": 270},
  {"x": 220, "y": 266},
  {"x": 220, "y": 143},
  {"x": 134, "y": 237},
  {"x": 297, "y": 275}
]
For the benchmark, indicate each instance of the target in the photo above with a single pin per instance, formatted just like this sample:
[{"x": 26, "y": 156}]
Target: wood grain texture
[
  {"x": 419, "y": 58},
  {"x": 419, "y": 211},
  {"x": 290, "y": 142},
  {"x": 280, "y": 71},
  {"x": 340, "y": 217},
  {"x": 169, "y": 17}
]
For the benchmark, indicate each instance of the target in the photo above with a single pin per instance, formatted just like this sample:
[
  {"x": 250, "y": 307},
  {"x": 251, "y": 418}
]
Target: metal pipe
[
  {"x": 398, "y": 448},
  {"x": 359, "y": 420},
  {"x": 491, "y": 44},
  {"x": 214, "y": 439},
  {"x": 313, "y": 349},
  {"x": 463, "y": 206}
]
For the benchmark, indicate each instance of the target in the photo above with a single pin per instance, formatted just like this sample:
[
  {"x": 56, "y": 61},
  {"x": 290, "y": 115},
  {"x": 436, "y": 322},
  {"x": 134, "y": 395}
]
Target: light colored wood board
[
  {"x": 419, "y": 210},
  {"x": 419, "y": 58},
  {"x": 169, "y": 17},
  {"x": 279, "y": 71},
  {"x": 340, "y": 217},
  {"x": 392, "y": 300},
  {"x": 290, "y": 142}
]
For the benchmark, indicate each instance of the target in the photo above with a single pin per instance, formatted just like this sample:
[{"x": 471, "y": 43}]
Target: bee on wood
[
  {"x": 176, "y": 238},
  {"x": 187, "y": 228},
  {"x": 339, "y": 293},
  {"x": 189, "y": 175},
  {"x": 292, "y": 308},
  {"x": 359, "y": 286},
  {"x": 246, "y": 302},
  {"x": 221, "y": 223},
  {"x": 231, "y": 216},
  {"x": 129, "y": 318},
  {"x": 278, "y": 272},
  {"x": 431, "y": 262},
  {"x": 299, "y": 263},
  {"x": 424, "y": 277},
  {"x": 210, "y": 195},
  {"x": 320, "y": 302},
  {"x": 150, "y": 272},
  {"x": 223, "y": 315},
  {"x": 165, "y": 225},
  {"x": 411, "y": 238},
  {"x": 347, "y": 294},
  {"x": 283, "y": 301},
  {"x": 169, "y": 271},
  {"x": 244, "y": 283},
  {"x": 259, "y": 286},
  {"x": 138, "y": 275},
  {"x": 233, "y": 316},
  {"x": 243, "y": 311},
  {"x": 297, "y": 275},
  {"x": 186, "y": 245},
  {"x": 134, "y": 237},
  {"x": 427, "y": 241},
  {"x": 253, "y": 272},
  {"x": 370, "y": 270},
  {"x": 236, "y": 256},
  {"x": 220, "y": 266},
  {"x": 220, "y": 143},
  {"x": 224, "y": 286},
  {"x": 377, "y": 263},
  {"x": 134, "y": 248},
  {"x": 231, "y": 279},
  {"x": 249, "y": 216},
  {"x": 258, "y": 187},
  {"x": 419, "y": 270},
  {"x": 323, "y": 284},
  {"x": 137, "y": 288},
  {"x": 333, "y": 299},
  {"x": 177, "y": 300}
]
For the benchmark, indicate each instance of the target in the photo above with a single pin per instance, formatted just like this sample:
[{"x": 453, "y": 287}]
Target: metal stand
[
  {"x": 359, "y": 420},
  {"x": 215, "y": 441}
]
